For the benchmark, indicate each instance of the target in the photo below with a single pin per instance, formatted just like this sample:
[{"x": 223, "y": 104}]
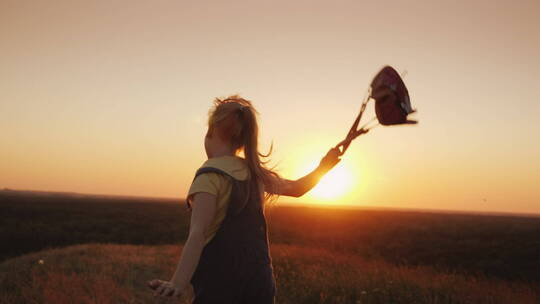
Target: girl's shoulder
[{"x": 234, "y": 166}]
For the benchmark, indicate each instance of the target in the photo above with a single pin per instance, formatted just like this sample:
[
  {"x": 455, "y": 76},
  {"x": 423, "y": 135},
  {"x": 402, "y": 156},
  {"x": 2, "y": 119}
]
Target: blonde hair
[{"x": 234, "y": 120}]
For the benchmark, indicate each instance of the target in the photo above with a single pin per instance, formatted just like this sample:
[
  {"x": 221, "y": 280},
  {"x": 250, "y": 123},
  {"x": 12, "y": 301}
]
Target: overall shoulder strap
[
  {"x": 240, "y": 195},
  {"x": 208, "y": 170},
  {"x": 211, "y": 170}
]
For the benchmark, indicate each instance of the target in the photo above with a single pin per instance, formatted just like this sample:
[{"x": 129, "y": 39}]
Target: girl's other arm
[
  {"x": 203, "y": 211},
  {"x": 299, "y": 187}
]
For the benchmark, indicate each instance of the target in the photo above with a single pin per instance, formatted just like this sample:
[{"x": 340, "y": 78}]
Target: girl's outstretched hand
[
  {"x": 165, "y": 289},
  {"x": 330, "y": 160}
]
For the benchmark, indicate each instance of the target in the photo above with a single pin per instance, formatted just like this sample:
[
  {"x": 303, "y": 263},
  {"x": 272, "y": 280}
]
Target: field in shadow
[
  {"x": 321, "y": 255},
  {"x": 110, "y": 273}
]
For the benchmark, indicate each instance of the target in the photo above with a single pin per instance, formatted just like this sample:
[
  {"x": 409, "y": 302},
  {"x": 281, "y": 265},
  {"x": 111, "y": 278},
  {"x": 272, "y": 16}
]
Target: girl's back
[{"x": 235, "y": 265}]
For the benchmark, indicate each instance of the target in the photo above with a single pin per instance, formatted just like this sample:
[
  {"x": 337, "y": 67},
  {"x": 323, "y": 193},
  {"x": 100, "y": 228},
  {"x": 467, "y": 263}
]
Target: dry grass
[{"x": 109, "y": 273}]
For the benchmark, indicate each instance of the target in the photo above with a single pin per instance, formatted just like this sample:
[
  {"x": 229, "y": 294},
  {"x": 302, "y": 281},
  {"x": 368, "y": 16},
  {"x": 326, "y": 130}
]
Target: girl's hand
[
  {"x": 330, "y": 160},
  {"x": 165, "y": 289}
]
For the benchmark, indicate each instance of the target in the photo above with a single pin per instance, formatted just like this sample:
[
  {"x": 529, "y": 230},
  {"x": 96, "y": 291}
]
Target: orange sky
[{"x": 111, "y": 96}]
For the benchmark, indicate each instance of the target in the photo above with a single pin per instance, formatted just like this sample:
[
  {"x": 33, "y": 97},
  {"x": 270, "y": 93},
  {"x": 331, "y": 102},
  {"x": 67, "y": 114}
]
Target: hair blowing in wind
[{"x": 235, "y": 120}]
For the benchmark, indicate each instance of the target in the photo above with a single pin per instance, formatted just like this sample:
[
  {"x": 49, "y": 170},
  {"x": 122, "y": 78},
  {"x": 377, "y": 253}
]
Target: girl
[{"x": 226, "y": 256}]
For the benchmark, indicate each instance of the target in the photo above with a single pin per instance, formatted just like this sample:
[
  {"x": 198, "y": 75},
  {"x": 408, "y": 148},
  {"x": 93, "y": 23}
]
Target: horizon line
[{"x": 310, "y": 205}]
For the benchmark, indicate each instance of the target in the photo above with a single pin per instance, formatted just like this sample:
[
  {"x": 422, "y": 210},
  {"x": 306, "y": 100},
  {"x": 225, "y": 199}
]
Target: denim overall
[{"x": 235, "y": 266}]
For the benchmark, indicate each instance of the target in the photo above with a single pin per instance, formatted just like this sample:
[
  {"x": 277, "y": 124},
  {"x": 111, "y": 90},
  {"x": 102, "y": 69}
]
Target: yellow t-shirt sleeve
[{"x": 206, "y": 182}]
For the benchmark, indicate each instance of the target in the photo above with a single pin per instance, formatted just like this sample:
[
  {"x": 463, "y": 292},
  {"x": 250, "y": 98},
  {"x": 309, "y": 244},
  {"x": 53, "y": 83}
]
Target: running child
[{"x": 226, "y": 256}]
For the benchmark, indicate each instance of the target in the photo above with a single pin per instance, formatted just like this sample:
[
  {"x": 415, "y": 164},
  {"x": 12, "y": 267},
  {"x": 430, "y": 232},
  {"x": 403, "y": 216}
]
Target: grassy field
[
  {"x": 81, "y": 249},
  {"x": 98, "y": 273}
]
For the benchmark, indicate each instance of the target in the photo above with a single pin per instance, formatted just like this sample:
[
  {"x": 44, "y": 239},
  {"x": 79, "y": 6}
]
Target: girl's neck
[{"x": 220, "y": 153}]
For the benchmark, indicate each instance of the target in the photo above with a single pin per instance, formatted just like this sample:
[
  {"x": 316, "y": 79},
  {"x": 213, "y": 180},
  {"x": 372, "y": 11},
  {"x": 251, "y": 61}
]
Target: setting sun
[
  {"x": 333, "y": 185},
  {"x": 340, "y": 186}
]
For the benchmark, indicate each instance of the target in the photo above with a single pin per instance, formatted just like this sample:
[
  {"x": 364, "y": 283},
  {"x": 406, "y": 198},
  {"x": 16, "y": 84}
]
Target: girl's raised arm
[{"x": 299, "y": 187}]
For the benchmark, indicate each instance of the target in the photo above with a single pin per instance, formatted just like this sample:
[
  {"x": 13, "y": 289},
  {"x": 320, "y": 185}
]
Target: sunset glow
[
  {"x": 340, "y": 186},
  {"x": 333, "y": 185},
  {"x": 112, "y": 97}
]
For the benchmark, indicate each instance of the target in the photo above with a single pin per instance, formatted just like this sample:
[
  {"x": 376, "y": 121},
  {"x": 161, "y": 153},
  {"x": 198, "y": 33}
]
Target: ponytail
[{"x": 235, "y": 119}]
